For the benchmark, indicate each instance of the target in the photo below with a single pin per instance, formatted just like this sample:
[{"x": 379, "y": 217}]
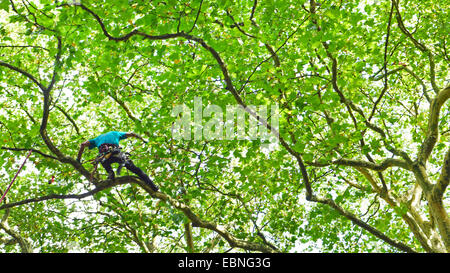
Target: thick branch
[
  {"x": 444, "y": 179},
  {"x": 433, "y": 125},
  {"x": 188, "y": 237},
  {"x": 23, "y": 243},
  {"x": 389, "y": 162}
]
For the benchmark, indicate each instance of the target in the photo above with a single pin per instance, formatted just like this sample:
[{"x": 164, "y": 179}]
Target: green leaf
[{"x": 4, "y": 5}]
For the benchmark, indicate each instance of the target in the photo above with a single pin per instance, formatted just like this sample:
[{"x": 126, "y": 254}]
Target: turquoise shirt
[{"x": 112, "y": 137}]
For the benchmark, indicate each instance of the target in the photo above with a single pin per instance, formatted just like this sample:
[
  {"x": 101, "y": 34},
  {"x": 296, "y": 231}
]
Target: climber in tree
[{"x": 109, "y": 152}]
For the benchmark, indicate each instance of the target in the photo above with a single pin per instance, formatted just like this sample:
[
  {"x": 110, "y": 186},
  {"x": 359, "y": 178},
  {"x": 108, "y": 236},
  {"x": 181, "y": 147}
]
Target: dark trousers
[{"x": 130, "y": 166}]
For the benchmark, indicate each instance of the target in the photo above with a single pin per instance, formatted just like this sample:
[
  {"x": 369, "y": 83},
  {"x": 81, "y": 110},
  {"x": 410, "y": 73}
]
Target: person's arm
[
  {"x": 82, "y": 146},
  {"x": 135, "y": 135}
]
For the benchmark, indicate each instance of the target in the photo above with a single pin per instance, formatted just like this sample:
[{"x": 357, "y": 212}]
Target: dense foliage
[{"x": 362, "y": 162}]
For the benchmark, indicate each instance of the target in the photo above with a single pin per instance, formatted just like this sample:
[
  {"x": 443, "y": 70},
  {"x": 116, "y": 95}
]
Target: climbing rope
[{"x": 10, "y": 184}]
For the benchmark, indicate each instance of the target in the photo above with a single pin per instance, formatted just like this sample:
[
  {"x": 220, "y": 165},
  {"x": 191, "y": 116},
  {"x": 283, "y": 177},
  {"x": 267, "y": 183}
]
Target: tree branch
[
  {"x": 24, "y": 73},
  {"x": 387, "y": 163},
  {"x": 26, "y": 149},
  {"x": 126, "y": 36},
  {"x": 69, "y": 118},
  {"x": 23, "y": 242},
  {"x": 365, "y": 226},
  {"x": 255, "y": 2},
  {"x": 444, "y": 179},
  {"x": 385, "y": 87},
  {"x": 196, "y": 18},
  {"x": 188, "y": 237},
  {"x": 433, "y": 125}
]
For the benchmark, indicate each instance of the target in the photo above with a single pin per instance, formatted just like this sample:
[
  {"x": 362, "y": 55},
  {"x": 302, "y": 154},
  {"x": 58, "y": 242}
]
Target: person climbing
[{"x": 109, "y": 153}]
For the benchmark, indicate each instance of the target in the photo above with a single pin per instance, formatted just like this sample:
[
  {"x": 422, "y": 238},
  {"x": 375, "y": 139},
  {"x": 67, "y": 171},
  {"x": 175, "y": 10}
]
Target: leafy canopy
[{"x": 362, "y": 163}]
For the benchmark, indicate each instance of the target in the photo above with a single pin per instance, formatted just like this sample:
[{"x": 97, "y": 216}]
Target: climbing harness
[
  {"x": 124, "y": 159},
  {"x": 107, "y": 151},
  {"x": 10, "y": 184}
]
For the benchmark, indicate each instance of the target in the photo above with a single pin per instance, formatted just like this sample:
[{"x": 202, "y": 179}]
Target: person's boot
[{"x": 111, "y": 175}]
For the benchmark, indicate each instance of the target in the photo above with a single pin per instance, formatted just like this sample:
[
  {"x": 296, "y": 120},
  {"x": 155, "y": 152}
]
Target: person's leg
[
  {"x": 130, "y": 166},
  {"x": 107, "y": 165}
]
